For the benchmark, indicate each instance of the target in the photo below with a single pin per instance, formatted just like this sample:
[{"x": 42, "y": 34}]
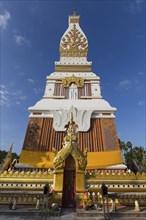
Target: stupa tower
[{"x": 72, "y": 88}]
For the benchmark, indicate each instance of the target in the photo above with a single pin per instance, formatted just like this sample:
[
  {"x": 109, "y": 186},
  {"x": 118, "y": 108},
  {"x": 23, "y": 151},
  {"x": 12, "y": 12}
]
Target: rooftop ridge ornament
[{"x": 8, "y": 159}]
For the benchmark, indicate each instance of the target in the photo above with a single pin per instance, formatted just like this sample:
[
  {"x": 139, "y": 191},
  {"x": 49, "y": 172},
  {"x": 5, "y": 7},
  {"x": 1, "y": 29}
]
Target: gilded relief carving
[
  {"x": 110, "y": 135},
  {"x": 66, "y": 81},
  {"x": 32, "y": 135},
  {"x": 74, "y": 44}
]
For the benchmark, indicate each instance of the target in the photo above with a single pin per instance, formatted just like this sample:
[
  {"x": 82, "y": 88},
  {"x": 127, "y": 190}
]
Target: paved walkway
[{"x": 28, "y": 213}]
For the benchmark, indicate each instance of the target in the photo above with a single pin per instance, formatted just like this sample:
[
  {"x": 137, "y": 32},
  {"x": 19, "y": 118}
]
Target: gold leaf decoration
[
  {"x": 74, "y": 44},
  {"x": 66, "y": 81}
]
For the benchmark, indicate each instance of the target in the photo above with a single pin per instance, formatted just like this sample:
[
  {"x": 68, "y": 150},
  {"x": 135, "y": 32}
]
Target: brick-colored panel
[
  {"x": 33, "y": 133},
  {"x": 110, "y": 137}
]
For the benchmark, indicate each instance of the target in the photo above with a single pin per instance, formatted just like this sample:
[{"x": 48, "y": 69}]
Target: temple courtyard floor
[{"x": 28, "y": 213}]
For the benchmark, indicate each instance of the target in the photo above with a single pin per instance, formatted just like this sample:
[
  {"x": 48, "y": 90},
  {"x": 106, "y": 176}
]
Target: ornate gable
[{"x": 70, "y": 147}]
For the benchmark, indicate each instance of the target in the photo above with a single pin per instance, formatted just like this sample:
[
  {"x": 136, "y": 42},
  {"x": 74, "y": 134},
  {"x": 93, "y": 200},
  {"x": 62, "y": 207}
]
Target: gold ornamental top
[
  {"x": 74, "y": 18},
  {"x": 74, "y": 42}
]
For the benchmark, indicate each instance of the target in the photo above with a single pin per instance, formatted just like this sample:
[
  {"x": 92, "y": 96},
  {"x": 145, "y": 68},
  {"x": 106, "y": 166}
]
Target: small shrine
[{"x": 69, "y": 167}]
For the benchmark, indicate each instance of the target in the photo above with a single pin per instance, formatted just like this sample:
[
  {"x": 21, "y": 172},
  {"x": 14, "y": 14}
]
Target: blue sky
[{"x": 30, "y": 36}]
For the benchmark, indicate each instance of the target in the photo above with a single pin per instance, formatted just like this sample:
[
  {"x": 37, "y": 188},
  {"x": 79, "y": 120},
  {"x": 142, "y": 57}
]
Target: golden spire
[{"x": 74, "y": 12}]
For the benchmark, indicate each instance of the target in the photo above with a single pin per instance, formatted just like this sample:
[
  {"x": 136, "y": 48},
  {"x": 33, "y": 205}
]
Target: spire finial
[
  {"x": 11, "y": 146},
  {"x": 71, "y": 118},
  {"x": 74, "y": 12}
]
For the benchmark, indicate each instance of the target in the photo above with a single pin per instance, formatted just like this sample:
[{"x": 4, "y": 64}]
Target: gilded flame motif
[
  {"x": 74, "y": 44},
  {"x": 70, "y": 146},
  {"x": 66, "y": 81}
]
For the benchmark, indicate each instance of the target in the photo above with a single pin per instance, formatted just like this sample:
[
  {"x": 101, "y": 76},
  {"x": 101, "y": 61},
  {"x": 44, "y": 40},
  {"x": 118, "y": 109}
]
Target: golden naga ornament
[
  {"x": 79, "y": 81},
  {"x": 8, "y": 160},
  {"x": 74, "y": 44}
]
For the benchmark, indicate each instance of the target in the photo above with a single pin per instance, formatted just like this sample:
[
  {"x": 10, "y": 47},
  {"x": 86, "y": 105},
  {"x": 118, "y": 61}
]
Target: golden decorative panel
[
  {"x": 79, "y": 81},
  {"x": 74, "y": 44}
]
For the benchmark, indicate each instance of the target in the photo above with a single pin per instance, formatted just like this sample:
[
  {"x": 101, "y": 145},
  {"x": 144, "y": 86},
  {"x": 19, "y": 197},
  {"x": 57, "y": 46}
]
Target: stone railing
[
  {"x": 25, "y": 198},
  {"x": 119, "y": 175},
  {"x": 15, "y": 180},
  {"x": 28, "y": 174}
]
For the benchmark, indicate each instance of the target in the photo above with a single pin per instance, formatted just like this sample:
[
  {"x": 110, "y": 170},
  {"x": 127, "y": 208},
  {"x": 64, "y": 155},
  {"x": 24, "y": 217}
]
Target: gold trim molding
[{"x": 73, "y": 68}]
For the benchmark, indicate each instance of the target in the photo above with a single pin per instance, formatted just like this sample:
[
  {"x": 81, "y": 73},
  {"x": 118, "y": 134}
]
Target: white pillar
[
  {"x": 137, "y": 207},
  {"x": 113, "y": 208},
  {"x": 37, "y": 203},
  {"x": 14, "y": 204}
]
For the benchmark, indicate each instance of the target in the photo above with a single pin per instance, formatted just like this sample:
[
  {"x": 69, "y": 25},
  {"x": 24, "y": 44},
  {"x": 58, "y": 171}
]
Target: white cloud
[
  {"x": 4, "y": 96},
  {"x": 22, "y": 97},
  {"x": 141, "y": 73},
  {"x": 30, "y": 80},
  {"x": 138, "y": 1},
  {"x": 21, "y": 41},
  {"x": 9, "y": 96},
  {"x": 4, "y": 18},
  {"x": 125, "y": 84},
  {"x": 32, "y": 10},
  {"x": 21, "y": 73},
  {"x": 18, "y": 103},
  {"x": 141, "y": 103},
  {"x": 136, "y": 6},
  {"x": 36, "y": 90},
  {"x": 2, "y": 86},
  {"x": 140, "y": 36}
]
